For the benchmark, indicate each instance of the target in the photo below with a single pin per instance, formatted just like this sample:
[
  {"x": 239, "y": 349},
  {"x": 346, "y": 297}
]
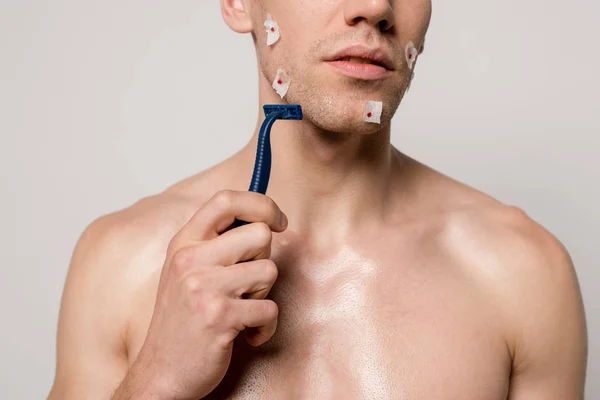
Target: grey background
[{"x": 104, "y": 102}]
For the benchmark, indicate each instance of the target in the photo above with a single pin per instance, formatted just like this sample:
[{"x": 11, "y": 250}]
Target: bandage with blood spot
[
  {"x": 282, "y": 82},
  {"x": 411, "y": 54},
  {"x": 272, "y": 28},
  {"x": 373, "y": 111},
  {"x": 411, "y": 57}
]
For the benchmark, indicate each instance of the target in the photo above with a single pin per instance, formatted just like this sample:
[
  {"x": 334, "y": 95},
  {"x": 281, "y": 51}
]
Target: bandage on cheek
[
  {"x": 272, "y": 28},
  {"x": 282, "y": 82},
  {"x": 411, "y": 54},
  {"x": 373, "y": 111}
]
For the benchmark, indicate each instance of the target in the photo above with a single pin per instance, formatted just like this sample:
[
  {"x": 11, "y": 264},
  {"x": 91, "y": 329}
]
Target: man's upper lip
[{"x": 376, "y": 55}]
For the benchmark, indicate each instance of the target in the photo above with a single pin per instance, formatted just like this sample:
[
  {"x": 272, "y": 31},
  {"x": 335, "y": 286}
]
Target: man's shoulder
[
  {"x": 481, "y": 231},
  {"x": 130, "y": 241},
  {"x": 518, "y": 264},
  {"x": 506, "y": 234},
  {"x": 117, "y": 252},
  {"x": 523, "y": 272},
  {"x": 503, "y": 246},
  {"x": 143, "y": 227},
  {"x": 478, "y": 224}
]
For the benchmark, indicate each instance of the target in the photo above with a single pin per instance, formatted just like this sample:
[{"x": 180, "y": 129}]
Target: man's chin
[
  {"x": 342, "y": 117},
  {"x": 339, "y": 122}
]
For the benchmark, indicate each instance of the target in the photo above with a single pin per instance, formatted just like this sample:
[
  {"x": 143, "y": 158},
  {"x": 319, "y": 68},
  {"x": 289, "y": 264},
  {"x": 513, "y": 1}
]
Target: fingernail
[{"x": 284, "y": 220}]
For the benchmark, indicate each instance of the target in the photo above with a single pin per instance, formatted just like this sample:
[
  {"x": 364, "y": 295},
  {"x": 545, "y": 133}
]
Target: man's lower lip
[{"x": 360, "y": 71}]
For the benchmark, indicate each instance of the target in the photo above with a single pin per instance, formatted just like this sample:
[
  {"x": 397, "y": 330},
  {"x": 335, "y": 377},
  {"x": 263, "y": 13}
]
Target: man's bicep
[
  {"x": 551, "y": 351},
  {"x": 91, "y": 357}
]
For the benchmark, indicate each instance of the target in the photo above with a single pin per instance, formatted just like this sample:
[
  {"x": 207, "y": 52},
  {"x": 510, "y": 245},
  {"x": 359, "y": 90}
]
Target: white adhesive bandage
[
  {"x": 412, "y": 76},
  {"x": 411, "y": 54},
  {"x": 373, "y": 110},
  {"x": 281, "y": 84},
  {"x": 272, "y": 28}
]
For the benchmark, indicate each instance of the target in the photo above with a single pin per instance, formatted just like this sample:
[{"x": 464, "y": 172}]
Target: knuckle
[
  {"x": 190, "y": 285},
  {"x": 271, "y": 309},
  {"x": 263, "y": 233},
  {"x": 224, "y": 198},
  {"x": 272, "y": 209},
  {"x": 270, "y": 269},
  {"x": 182, "y": 260},
  {"x": 216, "y": 308},
  {"x": 269, "y": 205}
]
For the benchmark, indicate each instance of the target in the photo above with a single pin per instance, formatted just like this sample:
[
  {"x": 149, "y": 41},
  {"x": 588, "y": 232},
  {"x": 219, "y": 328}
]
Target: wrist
[{"x": 141, "y": 384}]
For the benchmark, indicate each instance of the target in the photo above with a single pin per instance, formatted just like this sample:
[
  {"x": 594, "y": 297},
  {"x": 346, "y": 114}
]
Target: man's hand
[{"x": 213, "y": 285}]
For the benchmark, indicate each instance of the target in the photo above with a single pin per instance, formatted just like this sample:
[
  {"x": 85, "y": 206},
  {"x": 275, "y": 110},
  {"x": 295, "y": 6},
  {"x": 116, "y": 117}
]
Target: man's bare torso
[{"x": 408, "y": 310}]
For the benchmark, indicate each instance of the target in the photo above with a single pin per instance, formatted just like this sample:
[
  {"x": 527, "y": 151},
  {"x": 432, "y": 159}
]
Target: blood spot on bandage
[
  {"x": 411, "y": 54},
  {"x": 372, "y": 113},
  {"x": 281, "y": 83},
  {"x": 272, "y": 30}
]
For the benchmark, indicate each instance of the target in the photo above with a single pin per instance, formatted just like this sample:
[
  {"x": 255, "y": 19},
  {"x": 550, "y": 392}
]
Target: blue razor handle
[{"x": 262, "y": 163}]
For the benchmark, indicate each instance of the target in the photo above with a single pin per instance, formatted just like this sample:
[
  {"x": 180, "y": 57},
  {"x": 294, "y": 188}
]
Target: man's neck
[{"x": 322, "y": 179}]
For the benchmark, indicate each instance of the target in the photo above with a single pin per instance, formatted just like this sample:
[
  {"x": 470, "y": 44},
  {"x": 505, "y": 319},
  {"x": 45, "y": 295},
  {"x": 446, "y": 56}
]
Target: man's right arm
[
  {"x": 91, "y": 351},
  {"x": 199, "y": 308}
]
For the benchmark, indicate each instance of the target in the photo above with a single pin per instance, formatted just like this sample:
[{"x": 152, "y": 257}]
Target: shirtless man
[{"x": 385, "y": 279}]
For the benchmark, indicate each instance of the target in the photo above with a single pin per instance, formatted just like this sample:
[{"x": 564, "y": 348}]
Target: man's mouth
[
  {"x": 362, "y": 63},
  {"x": 360, "y": 68}
]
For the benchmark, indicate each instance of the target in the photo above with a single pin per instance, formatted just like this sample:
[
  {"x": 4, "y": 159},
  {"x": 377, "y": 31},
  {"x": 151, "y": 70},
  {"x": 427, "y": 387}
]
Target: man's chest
[{"x": 355, "y": 327}]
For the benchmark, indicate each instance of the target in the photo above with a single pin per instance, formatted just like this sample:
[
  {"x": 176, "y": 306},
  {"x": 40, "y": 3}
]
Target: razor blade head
[{"x": 290, "y": 111}]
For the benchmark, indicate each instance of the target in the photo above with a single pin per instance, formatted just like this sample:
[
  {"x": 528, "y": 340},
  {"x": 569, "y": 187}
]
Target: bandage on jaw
[
  {"x": 373, "y": 111},
  {"x": 282, "y": 82},
  {"x": 272, "y": 28}
]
